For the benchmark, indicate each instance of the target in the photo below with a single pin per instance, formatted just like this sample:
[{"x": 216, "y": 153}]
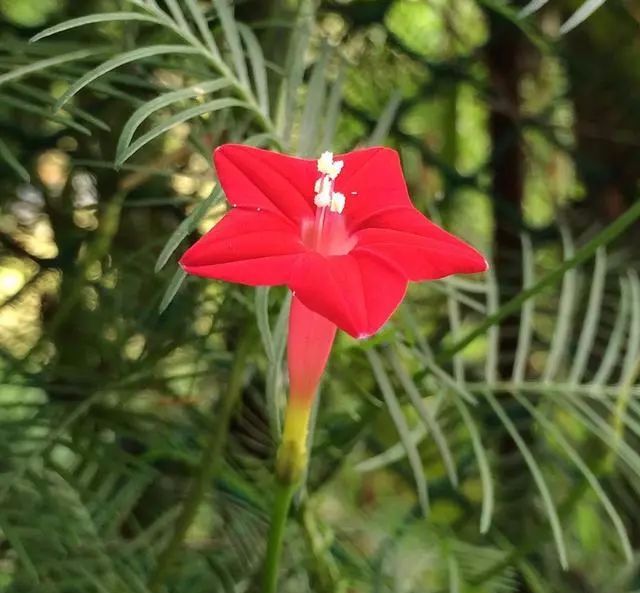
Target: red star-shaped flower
[{"x": 345, "y": 239}]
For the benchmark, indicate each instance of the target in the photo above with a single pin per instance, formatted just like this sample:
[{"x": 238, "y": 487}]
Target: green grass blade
[
  {"x": 120, "y": 60},
  {"x": 90, "y": 19}
]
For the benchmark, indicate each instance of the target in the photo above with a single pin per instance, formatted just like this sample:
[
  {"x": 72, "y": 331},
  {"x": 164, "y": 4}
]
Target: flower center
[{"x": 327, "y": 233}]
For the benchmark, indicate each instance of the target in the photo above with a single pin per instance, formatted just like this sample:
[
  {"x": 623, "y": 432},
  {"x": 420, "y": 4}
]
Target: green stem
[
  {"x": 284, "y": 496},
  {"x": 209, "y": 465}
]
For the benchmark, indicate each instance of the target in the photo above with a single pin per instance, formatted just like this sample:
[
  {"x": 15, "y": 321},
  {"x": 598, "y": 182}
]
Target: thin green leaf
[
  {"x": 203, "y": 27},
  {"x": 294, "y": 68},
  {"x": 632, "y": 354},
  {"x": 178, "y": 17},
  {"x": 230, "y": 30},
  {"x": 453, "y": 311},
  {"x": 39, "y": 95},
  {"x": 401, "y": 426},
  {"x": 262, "y": 317},
  {"x": 120, "y": 60},
  {"x": 273, "y": 391},
  {"x": 8, "y": 157},
  {"x": 393, "y": 454},
  {"x": 333, "y": 112},
  {"x": 172, "y": 289},
  {"x": 614, "y": 345},
  {"x": 605, "y": 236},
  {"x": 493, "y": 333},
  {"x": 580, "y": 15},
  {"x": 480, "y": 453},
  {"x": 532, "y": 7},
  {"x": 312, "y": 107},
  {"x": 584, "y": 470},
  {"x": 258, "y": 68},
  {"x": 600, "y": 428},
  {"x": 385, "y": 120},
  {"x": 44, "y": 113},
  {"x": 566, "y": 307},
  {"x": 186, "y": 227},
  {"x": 177, "y": 119},
  {"x": 453, "y": 572},
  {"x": 536, "y": 473},
  {"x": 164, "y": 100},
  {"x": 525, "y": 330},
  {"x": 591, "y": 319},
  {"x": 425, "y": 415},
  {"x": 92, "y": 19},
  {"x": 43, "y": 64}
]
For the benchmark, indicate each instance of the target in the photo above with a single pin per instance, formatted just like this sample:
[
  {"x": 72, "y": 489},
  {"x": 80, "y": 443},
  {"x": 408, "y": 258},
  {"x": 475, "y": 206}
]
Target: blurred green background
[{"x": 468, "y": 447}]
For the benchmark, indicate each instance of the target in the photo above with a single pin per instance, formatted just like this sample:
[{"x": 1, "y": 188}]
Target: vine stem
[
  {"x": 209, "y": 465},
  {"x": 282, "y": 504}
]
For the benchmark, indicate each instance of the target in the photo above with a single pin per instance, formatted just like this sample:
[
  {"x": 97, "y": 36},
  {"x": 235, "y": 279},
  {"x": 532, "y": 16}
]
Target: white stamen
[
  {"x": 337, "y": 202},
  {"x": 323, "y": 195},
  {"x": 327, "y": 166},
  {"x": 325, "y": 162}
]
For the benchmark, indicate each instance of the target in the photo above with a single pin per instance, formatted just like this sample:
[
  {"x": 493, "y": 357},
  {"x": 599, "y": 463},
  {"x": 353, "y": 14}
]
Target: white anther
[
  {"x": 327, "y": 166},
  {"x": 337, "y": 202},
  {"x": 323, "y": 195},
  {"x": 325, "y": 162}
]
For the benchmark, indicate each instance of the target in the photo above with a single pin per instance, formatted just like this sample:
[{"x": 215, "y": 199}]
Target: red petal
[
  {"x": 421, "y": 249},
  {"x": 358, "y": 291},
  {"x": 308, "y": 346},
  {"x": 252, "y": 248},
  {"x": 372, "y": 181},
  {"x": 256, "y": 178}
]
